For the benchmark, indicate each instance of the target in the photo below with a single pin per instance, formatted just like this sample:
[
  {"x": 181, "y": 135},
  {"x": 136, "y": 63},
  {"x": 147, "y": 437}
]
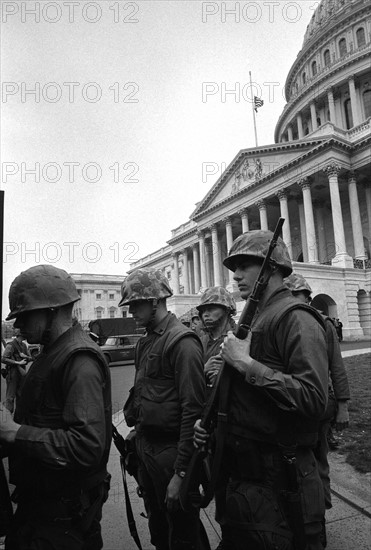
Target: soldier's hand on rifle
[
  {"x": 200, "y": 435},
  {"x": 172, "y": 493},
  {"x": 236, "y": 352},
  {"x": 212, "y": 367},
  {"x": 8, "y": 428}
]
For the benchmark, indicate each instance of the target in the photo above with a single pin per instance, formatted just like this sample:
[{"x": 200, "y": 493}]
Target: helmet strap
[
  {"x": 46, "y": 336},
  {"x": 151, "y": 322}
]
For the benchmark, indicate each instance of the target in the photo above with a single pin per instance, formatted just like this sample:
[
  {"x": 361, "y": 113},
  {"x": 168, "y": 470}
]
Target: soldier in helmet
[
  {"x": 339, "y": 394},
  {"x": 216, "y": 309},
  {"x": 167, "y": 398},
  {"x": 278, "y": 392},
  {"x": 60, "y": 437}
]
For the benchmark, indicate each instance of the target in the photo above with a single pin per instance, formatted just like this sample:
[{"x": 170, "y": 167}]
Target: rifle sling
[
  {"x": 221, "y": 432},
  {"x": 129, "y": 509}
]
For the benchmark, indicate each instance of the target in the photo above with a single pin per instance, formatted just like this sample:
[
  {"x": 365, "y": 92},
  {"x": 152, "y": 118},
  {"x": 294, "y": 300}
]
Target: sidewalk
[
  {"x": 347, "y": 525},
  {"x": 348, "y": 521}
]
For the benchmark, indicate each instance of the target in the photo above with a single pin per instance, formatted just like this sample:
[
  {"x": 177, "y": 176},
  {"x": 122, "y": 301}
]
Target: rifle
[{"x": 198, "y": 472}]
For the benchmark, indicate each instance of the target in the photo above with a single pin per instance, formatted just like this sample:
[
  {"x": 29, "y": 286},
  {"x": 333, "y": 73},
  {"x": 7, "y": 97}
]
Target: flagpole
[{"x": 253, "y": 111}]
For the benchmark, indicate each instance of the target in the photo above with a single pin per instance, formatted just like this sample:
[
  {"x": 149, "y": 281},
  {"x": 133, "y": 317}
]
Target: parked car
[{"x": 120, "y": 349}]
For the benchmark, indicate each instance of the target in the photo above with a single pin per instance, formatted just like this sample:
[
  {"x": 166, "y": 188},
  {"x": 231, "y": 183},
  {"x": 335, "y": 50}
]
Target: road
[{"x": 122, "y": 378}]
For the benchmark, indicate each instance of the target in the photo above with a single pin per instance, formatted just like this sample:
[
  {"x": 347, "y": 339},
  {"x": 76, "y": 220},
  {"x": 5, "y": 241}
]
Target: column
[
  {"x": 201, "y": 242},
  {"x": 309, "y": 221},
  {"x": 185, "y": 271},
  {"x": 284, "y": 208},
  {"x": 331, "y": 105},
  {"x": 216, "y": 255},
  {"x": 313, "y": 116},
  {"x": 341, "y": 258},
  {"x": 229, "y": 235},
  {"x": 263, "y": 214},
  {"x": 196, "y": 267},
  {"x": 299, "y": 121},
  {"x": 209, "y": 278},
  {"x": 321, "y": 232},
  {"x": 367, "y": 188},
  {"x": 289, "y": 133},
  {"x": 354, "y": 102},
  {"x": 175, "y": 285},
  {"x": 303, "y": 233},
  {"x": 355, "y": 215},
  {"x": 244, "y": 220}
]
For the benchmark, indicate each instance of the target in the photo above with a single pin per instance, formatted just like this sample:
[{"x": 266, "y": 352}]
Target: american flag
[{"x": 257, "y": 103}]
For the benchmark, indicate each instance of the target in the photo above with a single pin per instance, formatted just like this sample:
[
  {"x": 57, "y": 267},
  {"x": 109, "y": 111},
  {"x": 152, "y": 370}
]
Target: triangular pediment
[{"x": 250, "y": 166}]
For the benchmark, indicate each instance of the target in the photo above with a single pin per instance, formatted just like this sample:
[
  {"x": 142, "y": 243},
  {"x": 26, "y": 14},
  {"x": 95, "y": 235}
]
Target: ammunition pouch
[{"x": 256, "y": 518}]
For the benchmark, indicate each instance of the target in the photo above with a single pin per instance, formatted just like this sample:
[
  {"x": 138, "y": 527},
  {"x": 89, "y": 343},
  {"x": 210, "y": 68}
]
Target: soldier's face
[
  {"x": 141, "y": 311},
  {"x": 32, "y": 325},
  {"x": 212, "y": 315},
  {"x": 245, "y": 276}
]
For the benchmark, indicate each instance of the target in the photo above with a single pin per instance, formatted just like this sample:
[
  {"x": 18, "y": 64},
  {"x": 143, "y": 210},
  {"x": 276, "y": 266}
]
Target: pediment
[{"x": 249, "y": 167}]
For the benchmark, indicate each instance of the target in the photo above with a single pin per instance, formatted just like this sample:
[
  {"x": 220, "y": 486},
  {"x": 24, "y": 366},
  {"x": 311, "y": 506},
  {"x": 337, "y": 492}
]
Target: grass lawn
[{"x": 355, "y": 441}]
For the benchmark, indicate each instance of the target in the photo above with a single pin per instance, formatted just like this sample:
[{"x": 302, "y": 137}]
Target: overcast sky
[{"x": 113, "y": 112}]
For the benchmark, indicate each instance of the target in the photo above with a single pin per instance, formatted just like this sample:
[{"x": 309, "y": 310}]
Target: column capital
[
  {"x": 184, "y": 251},
  {"x": 352, "y": 176},
  {"x": 175, "y": 255},
  {"x": 200, "y": 233},
  {"x": 305, "y": 183},
  {"x": 212, "y": 227},
  {"x": 282, "y": 194},
  {"x": 242, "y": 212},
  {"x": 332, "y": 169},
  {"x": 194, "y": 245},
  {"x": 227, "y": 220},
  {"x": 261, "y": 204}
]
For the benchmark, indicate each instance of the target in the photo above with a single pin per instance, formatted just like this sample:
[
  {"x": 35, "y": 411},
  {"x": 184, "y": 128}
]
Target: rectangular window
[
  {"x": 98, "y": 296},
  {"x": 112, "y": 314},
  {"x": 111, "y": 296},
  {"x": 99, "y": 314}
]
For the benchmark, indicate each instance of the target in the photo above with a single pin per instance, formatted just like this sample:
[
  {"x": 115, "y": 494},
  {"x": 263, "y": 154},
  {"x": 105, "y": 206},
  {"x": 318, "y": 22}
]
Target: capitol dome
[
  {"x": 330, "y": 78},
  {"x": 326, "y": 14}
]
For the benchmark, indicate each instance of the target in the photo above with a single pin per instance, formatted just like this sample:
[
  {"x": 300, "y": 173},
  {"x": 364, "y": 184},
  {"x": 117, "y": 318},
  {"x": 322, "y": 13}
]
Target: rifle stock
[{"x": 190, "y": 489}]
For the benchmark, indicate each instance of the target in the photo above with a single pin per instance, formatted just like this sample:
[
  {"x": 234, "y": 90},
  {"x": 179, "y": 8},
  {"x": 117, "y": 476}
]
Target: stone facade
[
  {"x": 100, "y": 295},
  {"x": 316, "y": 175}
]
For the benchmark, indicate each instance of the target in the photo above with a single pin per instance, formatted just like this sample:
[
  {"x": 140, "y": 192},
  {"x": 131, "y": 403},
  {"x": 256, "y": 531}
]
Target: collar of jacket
[{"x": 161, "y": 327}]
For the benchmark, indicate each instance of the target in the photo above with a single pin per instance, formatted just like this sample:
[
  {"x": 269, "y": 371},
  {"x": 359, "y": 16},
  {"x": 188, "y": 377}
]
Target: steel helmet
[
  {"x": 256, "y": 244},
  {"x": 41, "y": 287},
  {"x": 297, "y": 283},
  {"x": 144, "y": 284},
  {"x": 217, "y": 296}
]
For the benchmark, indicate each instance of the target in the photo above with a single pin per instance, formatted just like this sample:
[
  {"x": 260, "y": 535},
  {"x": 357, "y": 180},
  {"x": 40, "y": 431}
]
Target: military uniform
[
  {"x": 274, "y": 407},
  {"x": 167, "y": 398},
  {"x": 59, "y": 456}
]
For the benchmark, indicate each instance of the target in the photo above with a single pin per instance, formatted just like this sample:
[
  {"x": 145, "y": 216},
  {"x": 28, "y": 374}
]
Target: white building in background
[
  {"x": 316, "y": 175},
  {"x": 99, "y": 297}
]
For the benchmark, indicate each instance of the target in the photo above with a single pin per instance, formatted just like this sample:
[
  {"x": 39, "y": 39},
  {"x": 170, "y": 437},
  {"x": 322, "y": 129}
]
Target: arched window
[
  {"x": 342, "y": 47},
  {"x": 314, "y": 68},
  {"x": 361, "y": 38},
  {"x": 304, "y": 77},
  {"x": 327, "y": 58},
  {"x": 367, "y": 103},
  {"x": 348, "y": 114}
]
